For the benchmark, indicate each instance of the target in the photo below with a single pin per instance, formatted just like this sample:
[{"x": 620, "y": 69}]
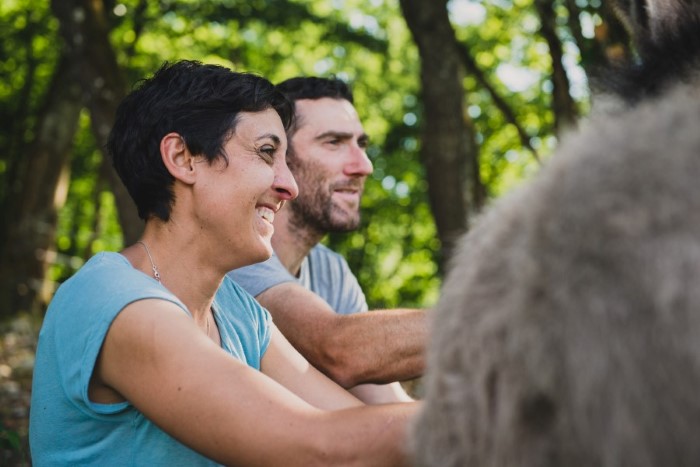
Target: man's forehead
[{"x": 327, "y": 114}]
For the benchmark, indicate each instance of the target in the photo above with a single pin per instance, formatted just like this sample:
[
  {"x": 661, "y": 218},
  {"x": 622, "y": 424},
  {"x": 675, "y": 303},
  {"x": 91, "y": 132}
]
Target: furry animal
[{"x": 568, "y": 332}]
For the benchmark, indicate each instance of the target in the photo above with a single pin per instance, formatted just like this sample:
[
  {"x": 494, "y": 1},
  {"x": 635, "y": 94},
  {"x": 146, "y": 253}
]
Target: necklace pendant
[{"x": 156, "y": 274}]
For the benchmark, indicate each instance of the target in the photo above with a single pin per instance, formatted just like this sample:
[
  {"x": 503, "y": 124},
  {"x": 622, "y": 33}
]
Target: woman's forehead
[{"x": 257, "y": 125}]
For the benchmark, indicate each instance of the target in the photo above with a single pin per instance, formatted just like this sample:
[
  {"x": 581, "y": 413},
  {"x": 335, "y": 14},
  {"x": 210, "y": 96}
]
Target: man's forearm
[
  {"x": 379, "y": 346},
  {"x": 373, "y": 347}
]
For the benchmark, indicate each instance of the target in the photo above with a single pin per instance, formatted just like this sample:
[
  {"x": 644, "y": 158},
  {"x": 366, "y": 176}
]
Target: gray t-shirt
[{"x": 323, "y": 271}]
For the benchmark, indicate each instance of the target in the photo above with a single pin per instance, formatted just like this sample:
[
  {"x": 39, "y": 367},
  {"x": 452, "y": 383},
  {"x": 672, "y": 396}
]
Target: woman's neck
[{"x": 177, "y": 263}]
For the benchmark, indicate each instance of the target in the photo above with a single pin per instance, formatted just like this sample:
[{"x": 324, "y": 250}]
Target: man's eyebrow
[
  {"x": 341, "y": 135},
  {"x": 334, "y": 134}
]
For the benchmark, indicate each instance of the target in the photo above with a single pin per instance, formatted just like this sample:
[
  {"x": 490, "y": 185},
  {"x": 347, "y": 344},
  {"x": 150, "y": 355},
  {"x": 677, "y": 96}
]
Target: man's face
[{"x": 328, "y": 159}]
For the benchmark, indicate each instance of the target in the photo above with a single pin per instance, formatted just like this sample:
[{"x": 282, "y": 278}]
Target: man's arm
[
  {"x": 374, "y": 347},
  {"x": 373, "y": 394}
]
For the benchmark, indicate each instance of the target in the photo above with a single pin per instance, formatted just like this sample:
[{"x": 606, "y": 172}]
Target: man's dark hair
[
  {"x": 313, "y": 87},
  {"x": 199, "y": 102}
]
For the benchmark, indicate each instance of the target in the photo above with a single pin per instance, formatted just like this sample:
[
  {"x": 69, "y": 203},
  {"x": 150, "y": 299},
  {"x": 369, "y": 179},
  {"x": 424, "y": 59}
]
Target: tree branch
[
  {"x": 563, "y": 105},
  {"x": 470, "y": 65}
]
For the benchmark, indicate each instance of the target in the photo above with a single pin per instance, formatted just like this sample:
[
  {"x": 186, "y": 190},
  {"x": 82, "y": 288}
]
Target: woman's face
[{"x": 239, "y": 200}]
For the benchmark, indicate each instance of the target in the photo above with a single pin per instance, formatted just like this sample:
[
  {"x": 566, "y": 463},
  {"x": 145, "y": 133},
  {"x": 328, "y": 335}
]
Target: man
[{"x": 313, "y": 296}]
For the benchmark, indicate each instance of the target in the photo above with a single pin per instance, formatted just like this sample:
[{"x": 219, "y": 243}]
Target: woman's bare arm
[{"x": 155, "y": 357}]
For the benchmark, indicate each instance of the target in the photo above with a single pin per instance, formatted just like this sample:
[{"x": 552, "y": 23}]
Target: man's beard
[{"x": 314, "y": 207}]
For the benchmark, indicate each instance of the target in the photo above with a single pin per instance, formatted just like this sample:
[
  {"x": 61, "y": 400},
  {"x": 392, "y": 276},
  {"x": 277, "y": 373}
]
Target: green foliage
[
  {"x": 9, "y": 439},
  {"x": 281, "y": 39},
  {"x": 364, "y": 42},
  {"x": 11, "y": 445},
  {"x": 28, "y": 54},
  {"x": 88, "y": 221}
]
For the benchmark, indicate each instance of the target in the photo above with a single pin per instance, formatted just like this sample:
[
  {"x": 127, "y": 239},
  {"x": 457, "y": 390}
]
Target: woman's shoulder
[
  {"x": 105, "y": 269},
  {"x": 109, "y": 277}
]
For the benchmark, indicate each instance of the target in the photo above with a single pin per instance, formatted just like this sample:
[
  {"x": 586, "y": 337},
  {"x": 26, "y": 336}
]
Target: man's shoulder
[
  {"x": 331, "y": 278},
  {"x": 257, "y": 278},
  {"x": 321, "y": 252}
]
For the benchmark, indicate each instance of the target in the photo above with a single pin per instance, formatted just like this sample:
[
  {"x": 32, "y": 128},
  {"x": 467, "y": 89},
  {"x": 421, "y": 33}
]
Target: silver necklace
[{"x": 156, "y": 274}]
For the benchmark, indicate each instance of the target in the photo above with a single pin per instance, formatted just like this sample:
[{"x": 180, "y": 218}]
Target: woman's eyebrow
[{"x": 276, "y": 139}]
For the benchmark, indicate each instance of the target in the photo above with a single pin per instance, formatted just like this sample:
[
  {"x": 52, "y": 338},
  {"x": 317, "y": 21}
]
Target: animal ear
[
  {"x": 667, "y": 15},
  {"x": 655, "y": 20},
  {"x": 634, "y": 14}
]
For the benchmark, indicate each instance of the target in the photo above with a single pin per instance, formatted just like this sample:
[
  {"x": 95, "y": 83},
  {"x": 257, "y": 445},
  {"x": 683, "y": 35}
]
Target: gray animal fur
[{"x": 568, "y": 332}]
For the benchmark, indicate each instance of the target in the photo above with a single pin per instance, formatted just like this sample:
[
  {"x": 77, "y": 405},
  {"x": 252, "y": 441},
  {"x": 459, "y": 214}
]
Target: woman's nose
[{"x": 284, "y": 183}]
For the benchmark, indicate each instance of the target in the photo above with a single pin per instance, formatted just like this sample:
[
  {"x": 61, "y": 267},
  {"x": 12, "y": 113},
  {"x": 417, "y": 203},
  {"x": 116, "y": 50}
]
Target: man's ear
[{"x": 177, "y": 158}]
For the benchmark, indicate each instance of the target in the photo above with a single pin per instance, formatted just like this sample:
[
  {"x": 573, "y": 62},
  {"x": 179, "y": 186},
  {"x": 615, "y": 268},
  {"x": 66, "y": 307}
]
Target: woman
[{"x": 152, "y": 356}]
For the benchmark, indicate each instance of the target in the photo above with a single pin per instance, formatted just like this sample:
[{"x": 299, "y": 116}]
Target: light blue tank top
[{"x": 66, "y": 428}]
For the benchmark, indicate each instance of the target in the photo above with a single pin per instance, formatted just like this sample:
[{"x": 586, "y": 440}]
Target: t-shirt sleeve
[
  {"x": 353, "y": 298},
  {"x": 257, "y": 278},
  {"x": 330, "y": 277}
]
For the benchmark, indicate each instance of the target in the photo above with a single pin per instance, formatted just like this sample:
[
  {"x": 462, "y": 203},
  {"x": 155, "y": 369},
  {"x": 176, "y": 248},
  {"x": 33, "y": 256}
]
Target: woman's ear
[{"x": 177, "y": 158}]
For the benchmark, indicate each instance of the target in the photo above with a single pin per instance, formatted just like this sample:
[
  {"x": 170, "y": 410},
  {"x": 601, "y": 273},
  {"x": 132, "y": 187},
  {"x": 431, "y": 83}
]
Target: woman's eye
[{"x": 267, "y": 153}]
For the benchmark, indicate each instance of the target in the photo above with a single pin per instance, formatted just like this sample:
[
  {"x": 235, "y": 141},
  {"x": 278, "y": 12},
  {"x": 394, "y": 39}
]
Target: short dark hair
[
  {"x": 313, "y": 87},
  {"x": 201, "y": 103}
]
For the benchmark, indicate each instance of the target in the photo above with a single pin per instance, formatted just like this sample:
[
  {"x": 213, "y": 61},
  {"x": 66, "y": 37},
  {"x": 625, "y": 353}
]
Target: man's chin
[{"x": 344, "y": 225}]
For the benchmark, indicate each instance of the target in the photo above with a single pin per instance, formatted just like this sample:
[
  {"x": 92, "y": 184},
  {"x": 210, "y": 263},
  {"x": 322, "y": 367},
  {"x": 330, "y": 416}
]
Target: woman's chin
[{"x": 262, "y": 252}]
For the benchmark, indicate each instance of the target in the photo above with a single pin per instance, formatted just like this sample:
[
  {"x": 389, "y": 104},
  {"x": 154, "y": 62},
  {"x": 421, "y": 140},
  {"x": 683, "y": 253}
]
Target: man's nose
[{"x": 359, "y": 163}]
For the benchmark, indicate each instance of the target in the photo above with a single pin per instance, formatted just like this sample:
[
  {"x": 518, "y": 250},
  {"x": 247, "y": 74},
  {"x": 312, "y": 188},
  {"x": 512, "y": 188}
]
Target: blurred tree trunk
[
  {"x": 38, "y": 191},
  {"x": 87, "y": 27},
  {"x": 563, "y": 105},
  {"x": 87, "y": 76},
  {"x": 448, "y": 150}
]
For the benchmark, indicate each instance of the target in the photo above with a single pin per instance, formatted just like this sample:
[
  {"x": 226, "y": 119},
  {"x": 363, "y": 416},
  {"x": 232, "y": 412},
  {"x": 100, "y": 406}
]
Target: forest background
[{"x": 462, "y": 100}]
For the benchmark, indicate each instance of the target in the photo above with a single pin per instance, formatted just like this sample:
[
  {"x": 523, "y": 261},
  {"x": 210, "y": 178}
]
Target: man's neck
[{"x": 291, "y": 241}]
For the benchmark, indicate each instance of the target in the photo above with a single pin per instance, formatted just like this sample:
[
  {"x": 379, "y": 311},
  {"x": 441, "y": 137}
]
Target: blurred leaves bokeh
[{"x": 365, "y": 42}]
